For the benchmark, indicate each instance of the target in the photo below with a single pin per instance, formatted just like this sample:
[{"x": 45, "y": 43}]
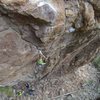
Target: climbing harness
[{"x": 40, "y": 60}]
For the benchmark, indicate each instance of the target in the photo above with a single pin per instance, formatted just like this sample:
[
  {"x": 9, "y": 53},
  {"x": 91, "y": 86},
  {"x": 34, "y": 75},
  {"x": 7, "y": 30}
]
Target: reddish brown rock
[
  {"x": 15, "y": 57},
  {"x": 62, "y": 30}
]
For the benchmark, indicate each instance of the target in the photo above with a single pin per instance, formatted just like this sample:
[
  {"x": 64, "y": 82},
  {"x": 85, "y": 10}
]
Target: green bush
[
  {"x": 96, "y": 62},
  {"x": 6, "y": 90}
]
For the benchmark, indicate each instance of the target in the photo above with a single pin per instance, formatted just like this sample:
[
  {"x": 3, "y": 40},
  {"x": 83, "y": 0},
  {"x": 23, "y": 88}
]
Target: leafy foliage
[{"x": 6, "y": 90}]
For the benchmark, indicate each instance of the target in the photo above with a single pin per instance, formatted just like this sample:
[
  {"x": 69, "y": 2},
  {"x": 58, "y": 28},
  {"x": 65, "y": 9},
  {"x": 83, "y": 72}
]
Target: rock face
[
  {"x": 15, "y": 55},
  {"x": 66, "y": 32}
]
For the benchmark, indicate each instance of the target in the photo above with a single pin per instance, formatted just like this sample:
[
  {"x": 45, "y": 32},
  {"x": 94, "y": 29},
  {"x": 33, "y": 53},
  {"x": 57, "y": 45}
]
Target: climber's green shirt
[
  {"x": 41, "y": 62},
  {"x": 19, "y": 93}
]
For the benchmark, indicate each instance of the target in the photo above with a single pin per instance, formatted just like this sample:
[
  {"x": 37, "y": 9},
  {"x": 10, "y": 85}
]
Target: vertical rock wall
[{"x": 67, "y": 32}]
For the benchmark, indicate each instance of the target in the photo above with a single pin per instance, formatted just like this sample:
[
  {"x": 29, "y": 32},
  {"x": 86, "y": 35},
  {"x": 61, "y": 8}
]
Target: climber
[
  {"x": 19, "y": 93},
  {"x": 40, "y": 61}
]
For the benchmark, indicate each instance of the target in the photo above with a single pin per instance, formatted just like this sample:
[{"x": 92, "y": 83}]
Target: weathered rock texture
[{"x": 67, "y": 32}]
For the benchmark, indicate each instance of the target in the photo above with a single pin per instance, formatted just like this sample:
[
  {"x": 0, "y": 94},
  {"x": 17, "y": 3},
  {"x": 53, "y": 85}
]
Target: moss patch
[
  {"x": 6, "y": 90},
  {"x": 96, "y": 62}
]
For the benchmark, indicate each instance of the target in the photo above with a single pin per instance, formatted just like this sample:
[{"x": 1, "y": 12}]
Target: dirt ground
[{"x": 82, "y": 84}]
